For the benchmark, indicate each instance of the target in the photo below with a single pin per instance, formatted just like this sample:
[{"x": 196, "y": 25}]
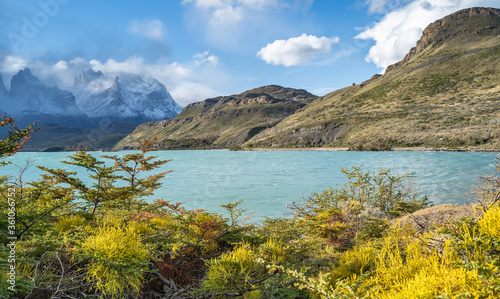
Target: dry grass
[{"x": 424, "y": 219}]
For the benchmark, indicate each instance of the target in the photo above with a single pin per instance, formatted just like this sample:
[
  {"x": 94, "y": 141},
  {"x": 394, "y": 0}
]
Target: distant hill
[
  {"x": 444, "y": 93},
  {"x": 223, "y": 122},
  {"x": 55, "y": 136}
]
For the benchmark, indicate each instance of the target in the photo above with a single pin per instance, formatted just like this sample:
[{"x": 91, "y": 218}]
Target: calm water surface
[{"x": 268, "y": 181}]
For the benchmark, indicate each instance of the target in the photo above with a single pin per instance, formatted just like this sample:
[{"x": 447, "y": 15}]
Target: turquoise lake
[{"x": 267, "y": 181}]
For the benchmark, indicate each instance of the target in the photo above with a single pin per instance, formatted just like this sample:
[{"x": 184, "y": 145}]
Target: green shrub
[
  {"x": 359, "y": 210},
  {"x": 235, "y": 271},
  {"x": 118, "y": 260},
  {"x": 353, "y": 263},
  {"x": 67, "y": 223}
]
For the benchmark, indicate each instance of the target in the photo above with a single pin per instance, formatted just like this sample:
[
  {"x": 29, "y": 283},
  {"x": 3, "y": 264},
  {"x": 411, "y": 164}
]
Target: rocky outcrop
[{"x": 470, "y": 21}]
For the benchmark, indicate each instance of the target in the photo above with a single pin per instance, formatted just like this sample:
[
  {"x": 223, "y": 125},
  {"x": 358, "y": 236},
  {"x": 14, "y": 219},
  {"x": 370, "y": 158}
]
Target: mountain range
[
  {"x": 97, "y": 107},
  {"x": 32, "y": 101},
  {"x": 123, "y": 97},
  {"x": 444, "y": 94}
]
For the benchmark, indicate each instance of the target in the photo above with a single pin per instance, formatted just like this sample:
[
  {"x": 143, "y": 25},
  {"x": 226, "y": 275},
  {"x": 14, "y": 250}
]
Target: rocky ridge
[
  {"x": 226, "y": 121},
  {"x": 450, "y": 27}
]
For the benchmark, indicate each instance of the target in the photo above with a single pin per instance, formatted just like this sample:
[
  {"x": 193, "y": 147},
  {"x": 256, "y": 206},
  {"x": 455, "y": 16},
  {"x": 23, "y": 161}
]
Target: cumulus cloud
[
  {"x": 152, "y": 29},
  {"x": 188, "y": 82},
  {"x": 400, "y": 29},
  {"x": 205, "y": 57},
  {"x": 296, "y": 50}
]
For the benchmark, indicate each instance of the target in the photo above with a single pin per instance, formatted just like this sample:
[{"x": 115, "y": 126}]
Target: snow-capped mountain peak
[
  {"x": 123, "y": 97},
  {"x": 32, "y": 101}
]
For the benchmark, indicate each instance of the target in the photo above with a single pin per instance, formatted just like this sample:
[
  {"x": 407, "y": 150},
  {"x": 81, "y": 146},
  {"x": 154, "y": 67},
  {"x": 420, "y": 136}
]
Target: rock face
[
  {"x": 86, "y": 77},
  {"x": 123, "y": 98},
  {"x": 30, "y": 101},
  {"x": 4, "y": 97},
  {"x": 223, "y": 122},
  {"x": 3, "y": 91},
  {"x": 464, "y": 23}
]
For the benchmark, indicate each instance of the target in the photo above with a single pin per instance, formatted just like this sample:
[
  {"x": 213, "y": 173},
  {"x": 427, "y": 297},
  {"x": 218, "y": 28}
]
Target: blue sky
[{"x": 205, "y": 48}]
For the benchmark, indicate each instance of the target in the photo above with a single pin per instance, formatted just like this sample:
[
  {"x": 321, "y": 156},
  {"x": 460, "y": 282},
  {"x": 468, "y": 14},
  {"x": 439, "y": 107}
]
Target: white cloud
[
  {"x": 228, "y": 14},
  {"x": 205, "y": 57},
  {"x": 380, "y": 6},
  {"x": 296, "y": 50},
  {"x": 230, "y": 11},
  {"x": 152, "y": 29},
  {"x": 188, "y": 82},
  {"x": 376, "y": 5},
  {"x": 12, "y": 64},
  {"x": 400, "y": 29}
]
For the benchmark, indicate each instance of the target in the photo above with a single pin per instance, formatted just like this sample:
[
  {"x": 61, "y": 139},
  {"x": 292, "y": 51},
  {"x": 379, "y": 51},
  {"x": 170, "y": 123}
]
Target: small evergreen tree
[{"x": 16, "y": 137}]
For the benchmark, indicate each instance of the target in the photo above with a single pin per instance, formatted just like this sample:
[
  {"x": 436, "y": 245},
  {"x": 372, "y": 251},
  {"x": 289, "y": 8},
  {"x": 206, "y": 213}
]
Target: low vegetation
[{"x": 103, "y": 240}]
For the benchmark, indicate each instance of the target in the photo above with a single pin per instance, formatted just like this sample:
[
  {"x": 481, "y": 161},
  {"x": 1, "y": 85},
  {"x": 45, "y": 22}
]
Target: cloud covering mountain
[
  {"x": 100, "y": 100},
  {"x": 123, "y": 97},
  {"x": 31, "y": 101}
]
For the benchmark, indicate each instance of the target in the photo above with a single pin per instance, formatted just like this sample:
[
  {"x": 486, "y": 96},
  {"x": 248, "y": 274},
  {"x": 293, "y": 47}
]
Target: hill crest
[
  {"x": 465, "y": 22},
  {"x": 224, "y": 121}
]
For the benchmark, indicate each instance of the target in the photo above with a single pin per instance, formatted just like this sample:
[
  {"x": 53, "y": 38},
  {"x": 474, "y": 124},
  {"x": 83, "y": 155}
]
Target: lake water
[{"x": 267, "y": 181}]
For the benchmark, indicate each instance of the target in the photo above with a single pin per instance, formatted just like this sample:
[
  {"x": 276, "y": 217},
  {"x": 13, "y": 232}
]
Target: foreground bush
[
  {"x": 118, "y": 260},
  {"x": 103, "y": 240}
]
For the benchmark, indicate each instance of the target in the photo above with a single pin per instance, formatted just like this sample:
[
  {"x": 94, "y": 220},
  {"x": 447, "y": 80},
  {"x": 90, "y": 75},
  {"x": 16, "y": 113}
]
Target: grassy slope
[
  {"x": 223, "y": 121},
  {"x": 447, "y": 96}
]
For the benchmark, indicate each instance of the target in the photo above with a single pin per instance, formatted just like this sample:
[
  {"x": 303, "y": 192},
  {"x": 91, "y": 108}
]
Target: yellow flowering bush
[
  {"x": 119, "y": 260},
  {"x": 490, "y": 222},
  {"x": 234, "y": 271}
]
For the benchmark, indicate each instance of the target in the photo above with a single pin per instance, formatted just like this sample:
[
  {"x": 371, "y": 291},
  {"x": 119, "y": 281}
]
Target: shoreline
[
  {"x": 346, "y": 149},
  {"x": 310, "y": 149}
]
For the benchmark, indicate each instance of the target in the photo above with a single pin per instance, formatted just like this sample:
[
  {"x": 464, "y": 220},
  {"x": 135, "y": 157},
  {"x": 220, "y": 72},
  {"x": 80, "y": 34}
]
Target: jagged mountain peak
[
  {"x": 31, "y": 101},
  {"x": 25, "y": 84},
  {"x": 124, "y": 97},
  {"x": 25, "y": 76},
  {"x": 87, "y": 76},
  {"x": 462, "y": 26}
]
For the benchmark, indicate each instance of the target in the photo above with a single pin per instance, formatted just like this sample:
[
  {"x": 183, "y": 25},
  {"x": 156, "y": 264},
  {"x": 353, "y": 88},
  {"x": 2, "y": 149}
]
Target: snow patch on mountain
[
  {"x": 32, "y": 101},
  {"x": 123, "y": 97}
]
